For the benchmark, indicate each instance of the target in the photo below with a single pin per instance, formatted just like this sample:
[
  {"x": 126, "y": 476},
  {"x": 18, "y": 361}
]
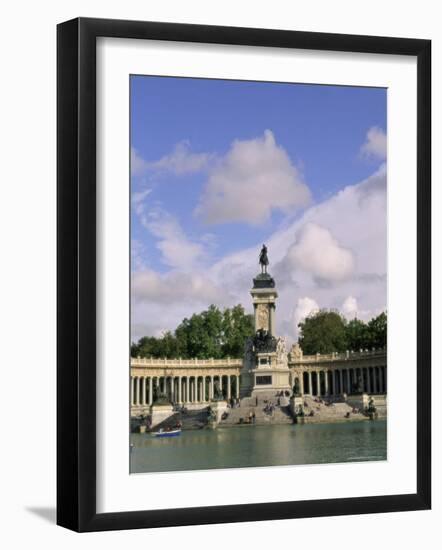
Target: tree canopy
[
  {"x": 211, "y": 333},
  {"x": 328, "y": 331}
]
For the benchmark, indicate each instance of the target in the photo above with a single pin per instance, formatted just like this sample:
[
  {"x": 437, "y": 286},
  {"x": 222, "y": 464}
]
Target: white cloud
[
  {"x": 254, "y": 178},
  {"x": 319, "y": 253},
  {"x": 375, "y": 145},
  {"x": 180, "y": 161},
  {"x": 177, "y": 250},
  {"x": 137, "y": 165},
  {"x": 172, "y": 287},
  {"x": 138, "y": 199},
  {"x": 304, "y": 307},
  {"x": 354, "y": 220},
  {"x": 350, "y": 307}
]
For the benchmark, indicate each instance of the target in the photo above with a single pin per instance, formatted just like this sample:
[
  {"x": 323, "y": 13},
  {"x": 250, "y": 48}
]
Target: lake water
[{"x": 242, "y": 446}]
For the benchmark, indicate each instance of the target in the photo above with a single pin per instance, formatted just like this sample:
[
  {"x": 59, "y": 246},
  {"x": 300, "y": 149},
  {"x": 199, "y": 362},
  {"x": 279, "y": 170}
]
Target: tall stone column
[
  {"x": 172, "y": 389},
  {"x": 228, "y": 386},
  {"x": 318, "y": 383},
  {"x": 132, "y": 390},
  {"x": 301, "y": 382},
  {"x": 326, "y": 382},
  {"x": 341, "y": 388},
  {"x": 211, "y": 387},
  {"x": 310, "y": 389},
  {"x": 150, "y": 390},
  {"x": 143, "y": 390},
  {"x": 237, "y": 387},
  {"x": 136, "y": 392},
  {"x": 381, "y": 380},
  {"x": 369, "y": 388},
  {"x": 347, "y": 373}
]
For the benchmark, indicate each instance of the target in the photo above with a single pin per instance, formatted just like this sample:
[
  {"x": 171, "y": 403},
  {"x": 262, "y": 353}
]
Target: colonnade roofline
[
  {"x": 335, "y": 356},
  {"x": 185, "y": 363}
]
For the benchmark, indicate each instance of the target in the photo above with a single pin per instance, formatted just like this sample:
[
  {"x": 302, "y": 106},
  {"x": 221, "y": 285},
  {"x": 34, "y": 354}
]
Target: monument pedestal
[
  {"x": 358, "y": 401},
  {"x": 218, "y": 409},
  {"x": 297, "y": 405},
  {"x": 160, "y": 412}
]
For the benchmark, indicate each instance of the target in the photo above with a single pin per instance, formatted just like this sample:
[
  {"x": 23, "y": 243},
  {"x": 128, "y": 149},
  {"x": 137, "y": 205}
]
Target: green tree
[
  {"x": 237, "y": 327},
  {"x": 377, "y": 329},
  {"x": 357, "y": 335},
  {"x": 323, "y": 332},
  {"x": 211, "y": 333}
]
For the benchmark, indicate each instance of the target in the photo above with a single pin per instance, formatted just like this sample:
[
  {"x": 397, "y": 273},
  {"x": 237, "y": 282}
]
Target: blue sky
[{"x": 218, "y": 167}]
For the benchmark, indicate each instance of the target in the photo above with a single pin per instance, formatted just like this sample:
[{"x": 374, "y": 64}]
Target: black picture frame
[{"x": 77, "y": 287}]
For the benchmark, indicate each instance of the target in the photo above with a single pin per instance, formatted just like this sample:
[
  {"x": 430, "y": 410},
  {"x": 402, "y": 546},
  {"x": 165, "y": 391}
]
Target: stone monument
[{"x": 265, "y": 367}]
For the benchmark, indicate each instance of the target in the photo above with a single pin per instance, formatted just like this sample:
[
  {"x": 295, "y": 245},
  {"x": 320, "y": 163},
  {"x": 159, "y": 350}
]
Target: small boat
[{"x": 167, "y": 433}]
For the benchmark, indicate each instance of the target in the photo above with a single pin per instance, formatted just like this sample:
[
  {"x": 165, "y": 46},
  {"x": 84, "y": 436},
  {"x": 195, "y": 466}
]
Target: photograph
[{"x": 258, "y": 267}]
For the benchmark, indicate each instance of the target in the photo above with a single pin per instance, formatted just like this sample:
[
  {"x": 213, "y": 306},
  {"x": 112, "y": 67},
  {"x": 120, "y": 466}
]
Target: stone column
[
  {"x": 318, "y": 383},
  {"x": 301, "y": 382},
  {"x": 228, "y": 386},
  {"x": 172, "y": 389},
  {"x": 136, "y": 392},
  {"x": 180, "y": 381},
  {"x": 347, "y": 372},
  {"x": 369, "y": 388},
  {"x": 150, "y": 390},
  {"x": 143, "y": 391},
  {"x": 237, "y": 387},
  {"x": 132, "y": 393},
  {"x": 310, "y": 389},
  {"x": 326, "y": 383},
  {"x": 211, "y": 387},
  {"x": 341, "y": 389},
  {"x": 381, "y": 380}
]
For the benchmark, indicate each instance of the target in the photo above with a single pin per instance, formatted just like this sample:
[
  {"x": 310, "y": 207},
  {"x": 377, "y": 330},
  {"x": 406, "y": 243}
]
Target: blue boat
[{"x": 167, "y": 433}]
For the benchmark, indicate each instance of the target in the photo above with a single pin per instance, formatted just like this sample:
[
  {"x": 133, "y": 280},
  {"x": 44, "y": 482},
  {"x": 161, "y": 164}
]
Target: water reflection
[{"x": 245, "y": 446}]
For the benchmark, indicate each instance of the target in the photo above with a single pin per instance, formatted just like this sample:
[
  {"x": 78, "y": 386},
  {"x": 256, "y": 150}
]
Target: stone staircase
[
  {"x": 189, "y": 420},
  {"x": 248, "y": 405},
  {"x": 329, "y": 410}
]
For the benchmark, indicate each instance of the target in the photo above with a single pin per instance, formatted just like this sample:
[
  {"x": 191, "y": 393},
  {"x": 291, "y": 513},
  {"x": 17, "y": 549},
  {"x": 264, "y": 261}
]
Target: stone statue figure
[
  {"x": 161, "y": 399},
  {"x": 296, "y": 389},
  {"x": 296, "y": 352},
  {"x": 263, "y": 259},
  {"x": 217, "y": 392},
  {"x": 264, "y": 342},
  {"x": 281, "y": 351},
  {"x": 371, "y": 406}
]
